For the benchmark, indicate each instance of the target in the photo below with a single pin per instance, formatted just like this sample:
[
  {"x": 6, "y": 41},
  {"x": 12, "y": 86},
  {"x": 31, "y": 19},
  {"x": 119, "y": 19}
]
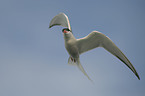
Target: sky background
[{"x": 33, "y": 59}]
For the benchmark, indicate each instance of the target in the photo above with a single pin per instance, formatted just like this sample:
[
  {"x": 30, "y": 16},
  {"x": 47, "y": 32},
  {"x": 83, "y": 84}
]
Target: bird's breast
[{"x": 72, "y": 49}]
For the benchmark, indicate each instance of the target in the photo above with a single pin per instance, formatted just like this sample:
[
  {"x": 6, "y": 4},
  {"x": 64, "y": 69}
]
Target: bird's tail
[{"x": 76, "y": 62}]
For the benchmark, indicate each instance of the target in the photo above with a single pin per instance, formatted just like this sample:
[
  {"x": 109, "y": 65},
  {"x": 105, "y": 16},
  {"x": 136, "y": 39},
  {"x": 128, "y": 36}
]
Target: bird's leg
[
  {"x": 75, "y": 60},
  {"x": 72, "y": 59}
]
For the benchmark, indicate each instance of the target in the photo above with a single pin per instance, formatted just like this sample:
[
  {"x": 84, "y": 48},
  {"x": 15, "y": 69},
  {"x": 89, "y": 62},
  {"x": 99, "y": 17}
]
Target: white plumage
[{"x": 95, "y": 39}]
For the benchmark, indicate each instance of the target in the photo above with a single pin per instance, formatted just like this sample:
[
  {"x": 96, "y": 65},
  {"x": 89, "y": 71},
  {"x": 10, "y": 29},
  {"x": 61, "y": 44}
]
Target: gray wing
[
  {"x": 61, "y": 20},
  {"x": 97, "y": 39}
]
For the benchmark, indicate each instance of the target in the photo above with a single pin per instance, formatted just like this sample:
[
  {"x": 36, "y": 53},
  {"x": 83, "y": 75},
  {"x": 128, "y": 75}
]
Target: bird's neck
[{"x": 68, "y": 36}]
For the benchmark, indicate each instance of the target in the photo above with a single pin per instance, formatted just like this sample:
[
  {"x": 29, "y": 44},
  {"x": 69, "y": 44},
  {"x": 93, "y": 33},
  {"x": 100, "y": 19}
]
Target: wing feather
[
  {"x": 96, "y": 39},
  {"x": 90, "y": 42},
  {"x": 61, "y": 20}
]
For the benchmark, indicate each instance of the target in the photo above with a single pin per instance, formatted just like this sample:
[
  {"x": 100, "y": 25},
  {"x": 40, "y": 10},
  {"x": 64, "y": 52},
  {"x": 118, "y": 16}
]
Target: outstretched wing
[
  {"x": 61, "y": 20},
  {"x": 97, "y": 39}
]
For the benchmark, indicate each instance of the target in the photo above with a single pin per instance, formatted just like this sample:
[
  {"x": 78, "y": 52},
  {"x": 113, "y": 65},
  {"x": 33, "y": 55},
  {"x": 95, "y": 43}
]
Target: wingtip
[
  {"x": 49, "y": 27},
  {"x": 138, "y": 76},
  {"x": 62, "y": 13}
]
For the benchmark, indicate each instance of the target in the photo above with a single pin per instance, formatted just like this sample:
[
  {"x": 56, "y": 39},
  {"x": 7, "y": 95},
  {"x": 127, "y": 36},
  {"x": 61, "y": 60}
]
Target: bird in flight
[{"x": 95, "y": 39}]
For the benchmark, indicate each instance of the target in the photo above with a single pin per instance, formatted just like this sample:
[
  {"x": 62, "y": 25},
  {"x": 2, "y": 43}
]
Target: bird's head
[
  {"x": 67, "y": 34},
  {"x": 66, "y": 30}
]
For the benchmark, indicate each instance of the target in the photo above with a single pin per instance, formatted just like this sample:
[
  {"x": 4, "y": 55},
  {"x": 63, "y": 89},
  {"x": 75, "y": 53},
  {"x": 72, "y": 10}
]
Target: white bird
[{"x": 95, "y": 39}]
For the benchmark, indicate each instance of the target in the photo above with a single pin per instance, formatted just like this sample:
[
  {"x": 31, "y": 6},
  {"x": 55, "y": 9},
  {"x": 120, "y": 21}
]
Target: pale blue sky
[{"x": 33, "y": 59}]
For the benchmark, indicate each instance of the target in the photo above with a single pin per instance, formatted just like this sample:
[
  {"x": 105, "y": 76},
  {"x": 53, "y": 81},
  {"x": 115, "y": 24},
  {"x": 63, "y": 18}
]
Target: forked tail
[{"x": 76, "y": 62}]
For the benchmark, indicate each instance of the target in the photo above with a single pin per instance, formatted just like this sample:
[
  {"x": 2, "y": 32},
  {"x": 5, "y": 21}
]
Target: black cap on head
[{"x": 65, "y": 29}]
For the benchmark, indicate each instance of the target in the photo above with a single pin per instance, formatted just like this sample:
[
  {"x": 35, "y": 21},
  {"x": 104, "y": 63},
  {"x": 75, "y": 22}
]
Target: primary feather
[{"x": 96, "y": 39}]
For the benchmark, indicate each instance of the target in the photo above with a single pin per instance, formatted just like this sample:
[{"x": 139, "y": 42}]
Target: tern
[{"x": 95, "y": 39}]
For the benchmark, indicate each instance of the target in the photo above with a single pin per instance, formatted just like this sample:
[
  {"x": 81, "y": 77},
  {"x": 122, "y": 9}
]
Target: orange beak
[{"x": 64, "y": 31}]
